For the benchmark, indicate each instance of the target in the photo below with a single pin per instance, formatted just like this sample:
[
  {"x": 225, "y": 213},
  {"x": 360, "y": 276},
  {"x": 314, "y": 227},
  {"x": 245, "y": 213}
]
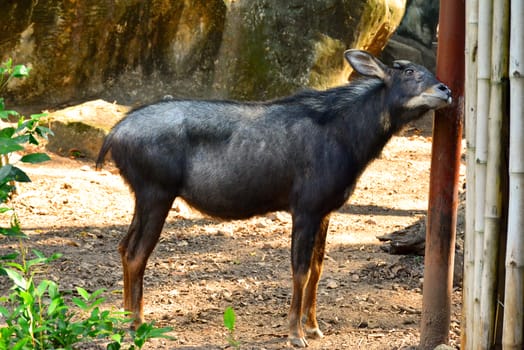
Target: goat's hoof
[
  {"x": 298, "y": 342},
  {"x": 314, "y": 333},
  {"x": 137, "y": 322}
]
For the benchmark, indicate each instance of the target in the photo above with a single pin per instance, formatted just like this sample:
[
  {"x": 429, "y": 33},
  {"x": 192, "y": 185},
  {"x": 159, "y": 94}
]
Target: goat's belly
[
  {"x": 234, "y": 211},
  {"x": 236, "y": 197}
]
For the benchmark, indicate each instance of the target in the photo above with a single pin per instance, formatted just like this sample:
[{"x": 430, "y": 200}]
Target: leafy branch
[{"x": 39, "y": 316}]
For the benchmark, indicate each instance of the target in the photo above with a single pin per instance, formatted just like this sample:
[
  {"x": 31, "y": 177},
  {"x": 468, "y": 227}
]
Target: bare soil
[{"x": 368, "y": 299}]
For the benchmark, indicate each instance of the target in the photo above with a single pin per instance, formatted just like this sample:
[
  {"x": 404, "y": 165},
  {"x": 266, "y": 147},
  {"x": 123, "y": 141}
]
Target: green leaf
[
  {"x": 14, "y": 232},
  {"x": 5, "y": 210},
  {"x": 55, "y": 303},
  {"x": 24, "y": 125},
  {"x": 9, "y": 256},
  {"x": 4, "y": 312},
  {"x": 17, "y": 278},
  {"x": 27, "y": 297},
  {"x": 229, "y": 318},
  {"x": 21, "y": 139},
  {"x": 115, "y": 345},
  {"x": 83, "y": 293},
  {"x": 96, "y": 293},
  {"x": 20, "y": 71},
  {"x": 36, "y": 261},
  {"x": 8, "y": 146},
  {"x": 42, "y": 287},
  {"x": 19, "y": 175},
  {"x": 21, "y": 344},
  {"x": 117, "y": 337},
  {"x": 96, "y": 302},
  {"x": 38, "y": 253},
  {"x": 38, "y": 116},
  {"x": 117, "y": 341},
  {"x": 54, "y": 257},
  {"x": 80, "y": 303},
  {"x": 43, "y": 131},
  {"x": 35, "y": 158},
  {"x": 53, "y": 290},
  {"x": 6, "y": 113},
  {"x": 160, "y": 333},
  {"x": 7, "y": 132},
  {"x": 5, "y": 173},
  {"x": 7, "y": 64},
  {"x": 32, "y": 140},
  {"x": 16, "y": 265}
]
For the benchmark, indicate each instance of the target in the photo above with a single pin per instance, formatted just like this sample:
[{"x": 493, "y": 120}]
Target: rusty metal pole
[{"x": 443, "y": 190}]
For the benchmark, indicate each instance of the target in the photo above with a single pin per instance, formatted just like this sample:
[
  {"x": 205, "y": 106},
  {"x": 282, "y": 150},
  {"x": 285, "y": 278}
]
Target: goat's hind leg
[
  {"x": 122, "y": 249},
  {"x": 151, "y": 208}
]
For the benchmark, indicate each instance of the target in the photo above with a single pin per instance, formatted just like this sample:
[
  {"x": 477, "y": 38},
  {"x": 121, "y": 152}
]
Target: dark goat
[{"x": 302, "y": 154}]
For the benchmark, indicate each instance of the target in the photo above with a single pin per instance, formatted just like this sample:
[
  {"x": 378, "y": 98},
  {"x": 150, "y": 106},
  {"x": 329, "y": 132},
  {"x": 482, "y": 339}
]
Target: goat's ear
[{"x": 366, "y": 64}]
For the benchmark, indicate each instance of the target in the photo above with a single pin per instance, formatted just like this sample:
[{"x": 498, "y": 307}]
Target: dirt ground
[{"x": 368, "y": 299}]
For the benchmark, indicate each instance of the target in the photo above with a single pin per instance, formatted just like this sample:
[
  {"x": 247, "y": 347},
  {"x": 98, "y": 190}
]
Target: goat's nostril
[{"x": 443, "y": 87}]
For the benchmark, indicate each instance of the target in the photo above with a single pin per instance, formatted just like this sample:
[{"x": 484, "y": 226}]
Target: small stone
[
  {"x": 331, "y": 284},
  {"x": 228, "y": 296},
  {"x": 355, "y": 278},
  {"x": 444, "y": 347},
  {"x": 182, "y": 243}
]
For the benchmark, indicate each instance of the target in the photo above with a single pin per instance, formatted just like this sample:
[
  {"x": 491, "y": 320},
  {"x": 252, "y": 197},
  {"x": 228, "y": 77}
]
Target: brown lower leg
[
  {"x": 296, "y": 333},
  {"x": 310, "y": 297}
]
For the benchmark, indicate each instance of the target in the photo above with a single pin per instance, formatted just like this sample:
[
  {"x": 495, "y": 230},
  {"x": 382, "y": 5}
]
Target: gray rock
[
  {"x": 136, "y": 52},
  {"x": 415, "y": 38},
  {"x": 79, "y": 130}
]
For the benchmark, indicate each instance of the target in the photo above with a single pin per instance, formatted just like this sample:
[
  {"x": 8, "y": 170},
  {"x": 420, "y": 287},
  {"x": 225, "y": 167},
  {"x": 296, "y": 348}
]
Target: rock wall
[
  {"x": 135, "y": 51},
  {"x": 415, "y": 38},
  {"x": 271, "y": 48}
]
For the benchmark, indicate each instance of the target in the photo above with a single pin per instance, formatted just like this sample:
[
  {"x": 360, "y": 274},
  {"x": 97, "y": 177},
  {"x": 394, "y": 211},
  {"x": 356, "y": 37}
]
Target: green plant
[
  {"x": 229, "y": 323},
  {"x": 13, "y": 136},
  {"x": 9, "y": 72},
  {"x": 39, "y": 315}
]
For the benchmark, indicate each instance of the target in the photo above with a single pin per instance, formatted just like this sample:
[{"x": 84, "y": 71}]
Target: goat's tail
[{"x": 103, "y": 151}]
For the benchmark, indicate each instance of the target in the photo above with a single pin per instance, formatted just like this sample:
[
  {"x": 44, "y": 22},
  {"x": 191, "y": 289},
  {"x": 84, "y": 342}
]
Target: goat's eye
[{"x": 409, "y": 71}]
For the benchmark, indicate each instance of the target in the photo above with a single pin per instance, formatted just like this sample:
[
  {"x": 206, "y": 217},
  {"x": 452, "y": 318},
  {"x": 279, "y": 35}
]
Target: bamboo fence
[
  {"x": 493, "y": 294},
  {"x": 472, "y": 19},
  {"x": 512, "y": 337}
]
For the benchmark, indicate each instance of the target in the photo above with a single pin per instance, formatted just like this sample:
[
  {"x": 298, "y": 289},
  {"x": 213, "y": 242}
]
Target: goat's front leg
[
  {"x": 309, "y": 306},
  {"x": 303, "y": 241}
]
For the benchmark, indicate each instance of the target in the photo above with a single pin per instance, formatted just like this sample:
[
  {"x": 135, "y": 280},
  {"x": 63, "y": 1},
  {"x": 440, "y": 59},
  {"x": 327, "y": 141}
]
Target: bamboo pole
[
  {"x": 493, "y": 202},
  {"x": 512, "y": 336},
  {"x": 467, "y": 323},
  {"x": 481, "y": 154},
  {"x": 443, "y": 187}
]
